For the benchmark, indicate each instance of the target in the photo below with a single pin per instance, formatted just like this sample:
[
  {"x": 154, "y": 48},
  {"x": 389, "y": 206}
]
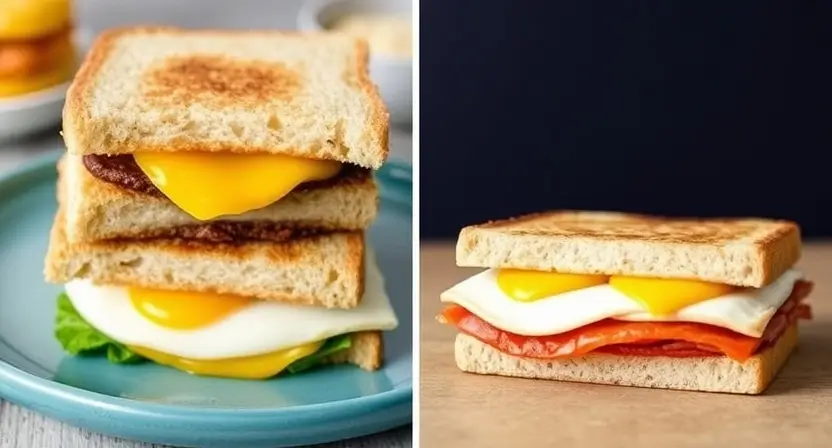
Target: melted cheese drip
[
  {"x": 209, "y": 185},
  {"x": 528, "y": 286},
  {"x": 251, "y": 367},
  {"x": 184, "y": 310},
  {"x": 661, "y": 296}
]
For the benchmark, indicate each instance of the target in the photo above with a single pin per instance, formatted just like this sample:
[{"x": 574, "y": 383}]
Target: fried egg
[
  {"x": 198, "y": 326},
  {"x": 745, "y": 310}
]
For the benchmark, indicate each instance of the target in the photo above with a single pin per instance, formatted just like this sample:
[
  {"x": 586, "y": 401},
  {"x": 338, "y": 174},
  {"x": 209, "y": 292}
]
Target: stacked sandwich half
[
  {"x": 694, "y": 304},
  {"x": 213, "y": 202}
]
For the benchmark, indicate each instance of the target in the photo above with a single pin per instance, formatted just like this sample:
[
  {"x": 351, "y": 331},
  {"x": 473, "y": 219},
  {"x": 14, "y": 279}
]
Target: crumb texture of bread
[
  {"x": 97, "y": 210},
  {"x": 366, "y": 351},
  {"x": 743, "y": 251},
  {"x": 167, "y": 89},
  {"x": 325, "y": 270},
  {"x": 707, "y": 374}
]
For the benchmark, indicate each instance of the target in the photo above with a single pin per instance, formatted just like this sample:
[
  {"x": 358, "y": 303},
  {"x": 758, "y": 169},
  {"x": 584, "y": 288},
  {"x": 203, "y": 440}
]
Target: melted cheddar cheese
[
  {"x": 250, "y": 367},
  {"x": 210, "y": 185}
]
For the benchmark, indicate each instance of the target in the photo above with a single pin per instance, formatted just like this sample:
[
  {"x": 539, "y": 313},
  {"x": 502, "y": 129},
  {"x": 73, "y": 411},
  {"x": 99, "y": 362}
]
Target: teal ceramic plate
[{"x": 157, "y": 404}]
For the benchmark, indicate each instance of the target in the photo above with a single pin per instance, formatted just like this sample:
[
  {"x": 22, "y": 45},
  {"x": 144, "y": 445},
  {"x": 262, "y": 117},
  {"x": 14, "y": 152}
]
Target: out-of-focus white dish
[{"x": 391, "y": 71}]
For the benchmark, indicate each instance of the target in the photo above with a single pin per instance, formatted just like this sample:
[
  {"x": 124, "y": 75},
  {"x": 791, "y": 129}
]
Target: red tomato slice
[{"x": 647, "y": 338}]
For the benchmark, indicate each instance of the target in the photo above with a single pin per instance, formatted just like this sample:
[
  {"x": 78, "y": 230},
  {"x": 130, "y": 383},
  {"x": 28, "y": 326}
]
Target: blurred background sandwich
[{"x": 36, "y": 46}]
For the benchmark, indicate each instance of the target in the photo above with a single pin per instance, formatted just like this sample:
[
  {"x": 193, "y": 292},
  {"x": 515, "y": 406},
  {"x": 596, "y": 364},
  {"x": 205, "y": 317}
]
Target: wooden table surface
[{"x": 460, "y": 409}]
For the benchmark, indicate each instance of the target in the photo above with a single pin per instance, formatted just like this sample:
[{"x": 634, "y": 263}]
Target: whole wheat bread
[
  {"x": 743, "y": 252},
  {"x": 96, "y": 210},
  {"x": 167, "y": 89},
  {"x": 705, "y": 374}
]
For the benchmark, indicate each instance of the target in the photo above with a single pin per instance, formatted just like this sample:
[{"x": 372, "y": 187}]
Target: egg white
[
  {"x": 745, "y": 311},
  {"x": 260, "y": 328}
]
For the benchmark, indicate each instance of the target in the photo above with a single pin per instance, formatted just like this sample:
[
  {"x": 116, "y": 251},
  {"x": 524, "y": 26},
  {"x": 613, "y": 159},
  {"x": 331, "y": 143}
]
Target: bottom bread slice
[
  {"x": 706, "y": 374},
  {"x": 366, "y": 351}
]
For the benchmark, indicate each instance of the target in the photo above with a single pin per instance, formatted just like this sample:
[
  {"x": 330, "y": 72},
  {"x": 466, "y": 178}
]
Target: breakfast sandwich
[
  {"x": 36, "y": 49},
  {"x": 691, "y": 304},
  {"x": 213, "y": 200},
  {"x": 184, "y": 133}
]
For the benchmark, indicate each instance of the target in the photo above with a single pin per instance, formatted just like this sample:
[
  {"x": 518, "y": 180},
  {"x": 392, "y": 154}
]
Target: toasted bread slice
[
  {"x": 742, "y": 252},
  {"x": 326, "y": 270},
  {"x": 705, "y": 374},
  {"x": 97, "y": 210},
  {"x": 366, "y": 351},
  {"x": 167, "y": 89}
]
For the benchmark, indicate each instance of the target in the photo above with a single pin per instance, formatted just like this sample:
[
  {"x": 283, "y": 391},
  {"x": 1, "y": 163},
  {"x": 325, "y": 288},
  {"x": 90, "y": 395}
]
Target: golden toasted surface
[
  {"x": 744, "y": 252},
  {"x": 168, "y": 89},
  {"x": 611, "y": 227},
  {"x": 218, "y": 81}
]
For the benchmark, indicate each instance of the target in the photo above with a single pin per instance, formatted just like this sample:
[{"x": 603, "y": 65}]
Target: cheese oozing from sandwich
[
  {"x": 249, "y": 367},
  {"x": 241, "y": 338},
  {"x": 210, "y": 185},
  {"x": 743, "y": 310}
]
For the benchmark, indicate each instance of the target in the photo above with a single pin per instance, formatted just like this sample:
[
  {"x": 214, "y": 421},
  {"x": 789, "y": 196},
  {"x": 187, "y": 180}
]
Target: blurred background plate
[{"x": 157, "y": 404}]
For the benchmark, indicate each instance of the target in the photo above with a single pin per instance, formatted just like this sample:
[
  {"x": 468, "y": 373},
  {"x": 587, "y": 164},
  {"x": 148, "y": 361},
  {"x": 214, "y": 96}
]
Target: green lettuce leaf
[
  {"x": 78, "y": 337},
  {"x": 332, "y": 345}
]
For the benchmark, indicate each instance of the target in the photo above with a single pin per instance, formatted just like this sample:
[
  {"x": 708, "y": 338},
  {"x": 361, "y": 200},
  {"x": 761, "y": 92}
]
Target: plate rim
[{"x": 24, "y": 388}]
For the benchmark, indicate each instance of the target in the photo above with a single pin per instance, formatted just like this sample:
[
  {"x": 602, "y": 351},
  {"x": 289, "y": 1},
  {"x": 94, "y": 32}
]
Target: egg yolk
[
  {"x": 250, "y": 367},
  {"x": 209, "y": 185},
  {"x": 527, "y": 286},
  {"x": 666, "y": 296},
  {"x": 183, "y": 310}
]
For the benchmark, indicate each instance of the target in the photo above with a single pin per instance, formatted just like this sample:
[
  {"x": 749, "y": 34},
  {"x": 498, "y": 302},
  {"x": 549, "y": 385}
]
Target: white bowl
[
  {"x": 27, "y": 114},
  {"x": 393, "y": 75},
  {"x": 30, "y": 113}
]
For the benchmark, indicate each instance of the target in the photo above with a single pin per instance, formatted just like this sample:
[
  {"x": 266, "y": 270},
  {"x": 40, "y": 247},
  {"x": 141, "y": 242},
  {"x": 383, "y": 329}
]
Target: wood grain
[{"x": 460, "y": 409}]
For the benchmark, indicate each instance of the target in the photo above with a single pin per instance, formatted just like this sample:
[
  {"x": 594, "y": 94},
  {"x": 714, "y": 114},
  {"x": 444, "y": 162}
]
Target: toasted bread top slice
[
  {"x": 739, "y": 251},
  {"x": 168, "y": 89}
]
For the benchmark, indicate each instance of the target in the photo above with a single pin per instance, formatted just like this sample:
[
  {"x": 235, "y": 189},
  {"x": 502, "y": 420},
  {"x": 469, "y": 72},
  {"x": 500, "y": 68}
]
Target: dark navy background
[{"x": 675, "y": 107}]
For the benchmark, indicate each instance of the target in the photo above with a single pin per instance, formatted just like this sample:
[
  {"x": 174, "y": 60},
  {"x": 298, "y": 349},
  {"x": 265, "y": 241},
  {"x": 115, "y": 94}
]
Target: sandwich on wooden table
[
  {"x": 213, "y": 201},
  {"x": 611, "y": 298}
]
